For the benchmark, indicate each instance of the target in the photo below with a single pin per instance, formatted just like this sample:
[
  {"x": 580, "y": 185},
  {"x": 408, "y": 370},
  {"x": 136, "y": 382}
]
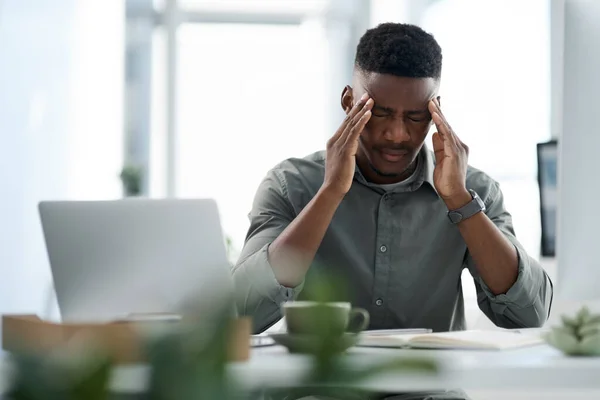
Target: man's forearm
[
  {"x": 292, "y": 253},
  {"x": 494, "y": 255}
]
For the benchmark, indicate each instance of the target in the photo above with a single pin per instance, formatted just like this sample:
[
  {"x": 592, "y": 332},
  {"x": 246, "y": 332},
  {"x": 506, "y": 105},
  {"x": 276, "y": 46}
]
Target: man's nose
[{"x": 396, "y": 132}]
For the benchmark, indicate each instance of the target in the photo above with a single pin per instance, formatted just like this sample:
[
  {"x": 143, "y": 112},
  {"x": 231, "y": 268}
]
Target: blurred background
[{"x": 201, "y": 98}]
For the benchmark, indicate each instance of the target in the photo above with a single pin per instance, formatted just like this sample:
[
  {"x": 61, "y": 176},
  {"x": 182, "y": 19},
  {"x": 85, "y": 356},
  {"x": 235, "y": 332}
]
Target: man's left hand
[{"x": 451, "y": 158}]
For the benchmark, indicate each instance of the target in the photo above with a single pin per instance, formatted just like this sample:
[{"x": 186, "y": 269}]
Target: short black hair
[{"x": 399, "y": 49}]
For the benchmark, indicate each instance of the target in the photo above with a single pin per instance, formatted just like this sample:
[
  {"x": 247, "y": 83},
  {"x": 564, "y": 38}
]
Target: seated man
[{"x": 396, "y": 220}]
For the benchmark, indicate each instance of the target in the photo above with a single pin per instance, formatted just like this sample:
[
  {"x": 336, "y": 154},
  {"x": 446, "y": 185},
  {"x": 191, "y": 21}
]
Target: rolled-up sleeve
[
  {"x": 527, "y": 303},
  {"x": 258, "y": 294}
]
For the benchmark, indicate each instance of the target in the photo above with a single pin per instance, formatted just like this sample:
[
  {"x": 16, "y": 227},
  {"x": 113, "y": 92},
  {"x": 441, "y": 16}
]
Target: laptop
[{"x": 130, "y": 258}]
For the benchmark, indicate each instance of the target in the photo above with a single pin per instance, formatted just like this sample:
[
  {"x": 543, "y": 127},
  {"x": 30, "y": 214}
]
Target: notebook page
[
  {"x": 392, "y": 340},
  {"x": 475, "y": 339}
]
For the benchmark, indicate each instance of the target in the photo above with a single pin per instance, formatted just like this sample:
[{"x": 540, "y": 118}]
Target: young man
[{"x": 398, "y": 221}]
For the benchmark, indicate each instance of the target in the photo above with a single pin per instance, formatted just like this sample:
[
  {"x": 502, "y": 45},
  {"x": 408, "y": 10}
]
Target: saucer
[{"x": 309, "y": 343}]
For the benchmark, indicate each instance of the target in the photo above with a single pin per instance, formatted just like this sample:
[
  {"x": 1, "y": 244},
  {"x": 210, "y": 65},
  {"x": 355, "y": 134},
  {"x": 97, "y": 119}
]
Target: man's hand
[
  {"x": 451, "y": 157},
  {"x": 340, "y": 161}
]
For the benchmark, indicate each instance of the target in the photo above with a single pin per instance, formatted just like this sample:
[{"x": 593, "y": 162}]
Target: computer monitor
[
  {"x": 547, "y": 155},
  {"x": 115, "y": 259},
  {"x": 578, "y": 256}
]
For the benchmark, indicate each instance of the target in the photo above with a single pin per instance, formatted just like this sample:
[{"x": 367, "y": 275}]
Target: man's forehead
[{"x": 394, "y": 91}]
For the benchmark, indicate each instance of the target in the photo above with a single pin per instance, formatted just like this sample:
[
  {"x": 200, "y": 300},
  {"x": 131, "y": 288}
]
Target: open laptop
[{"x": 116, "y": 259}]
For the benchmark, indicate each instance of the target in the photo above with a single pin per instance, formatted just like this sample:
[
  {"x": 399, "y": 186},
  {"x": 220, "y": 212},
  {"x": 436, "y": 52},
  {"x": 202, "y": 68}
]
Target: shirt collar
[{"x": 428, "y": 167}]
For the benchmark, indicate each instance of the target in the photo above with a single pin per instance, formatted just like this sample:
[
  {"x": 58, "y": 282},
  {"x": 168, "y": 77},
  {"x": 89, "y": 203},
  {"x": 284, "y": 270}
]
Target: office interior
[{"x": 181, "y": 89}]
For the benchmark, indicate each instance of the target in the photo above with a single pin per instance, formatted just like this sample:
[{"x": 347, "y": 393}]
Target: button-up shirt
[{"x": 400, "y": 253}]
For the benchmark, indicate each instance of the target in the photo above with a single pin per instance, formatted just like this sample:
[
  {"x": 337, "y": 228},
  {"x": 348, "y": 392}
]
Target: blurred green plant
[
  {"x": 188, "y": 360},
  {"x": 131, "y": 179},
  {"x": 230, "y": 249},
  {"x": 578, "y": 335},
  {"x": 75, "y": 372}
]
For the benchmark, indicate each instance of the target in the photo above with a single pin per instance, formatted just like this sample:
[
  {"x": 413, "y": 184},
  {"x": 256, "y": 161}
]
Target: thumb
[{"x": 438, "y": 147}]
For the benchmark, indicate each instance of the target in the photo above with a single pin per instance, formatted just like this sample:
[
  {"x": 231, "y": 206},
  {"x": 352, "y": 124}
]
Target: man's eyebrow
[{"x": 384, "y": 109}]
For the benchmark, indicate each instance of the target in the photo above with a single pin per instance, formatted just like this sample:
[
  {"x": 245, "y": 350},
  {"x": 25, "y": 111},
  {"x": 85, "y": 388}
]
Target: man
[{"x": 399, "y": 222}]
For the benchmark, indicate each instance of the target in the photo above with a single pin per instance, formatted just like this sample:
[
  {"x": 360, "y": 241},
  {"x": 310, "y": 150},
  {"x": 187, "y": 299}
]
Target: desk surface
[{"x": 534, "y": 368}]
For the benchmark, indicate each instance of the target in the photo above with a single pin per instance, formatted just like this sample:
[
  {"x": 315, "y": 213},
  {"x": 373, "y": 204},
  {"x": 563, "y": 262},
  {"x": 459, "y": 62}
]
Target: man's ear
[{"x": 347, "y": 99}]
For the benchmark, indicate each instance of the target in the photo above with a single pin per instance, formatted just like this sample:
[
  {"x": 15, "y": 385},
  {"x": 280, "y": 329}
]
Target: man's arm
[
  {"x": 279, "y": 249},
  {"x": 280, "y": 246},
  {"x": 527, "y": 299},
  {"x": 258, "y": 291},
  {"x": 513, "y": 289},
  {"x": 495, "y": 256}
]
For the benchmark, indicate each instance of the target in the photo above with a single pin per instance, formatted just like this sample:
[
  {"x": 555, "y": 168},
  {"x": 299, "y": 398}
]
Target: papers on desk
[{"x": 470, "y": 339}]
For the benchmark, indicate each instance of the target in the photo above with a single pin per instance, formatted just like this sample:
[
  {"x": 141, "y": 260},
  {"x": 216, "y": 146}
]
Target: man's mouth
[{"x": 393, "y": 155}]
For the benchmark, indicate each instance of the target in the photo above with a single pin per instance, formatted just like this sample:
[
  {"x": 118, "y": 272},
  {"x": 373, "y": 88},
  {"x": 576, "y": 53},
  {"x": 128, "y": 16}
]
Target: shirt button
[
  {"x": 379, "y": 302},
  {"x": 383, "y": 248}
]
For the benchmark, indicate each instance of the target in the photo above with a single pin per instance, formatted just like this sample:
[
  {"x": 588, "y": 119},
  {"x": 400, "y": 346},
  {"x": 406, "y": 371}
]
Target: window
[
  {"x": 496, "y": 94},
  {"x": 255, "y": 82},
  {"x": 249, "y": 96}
]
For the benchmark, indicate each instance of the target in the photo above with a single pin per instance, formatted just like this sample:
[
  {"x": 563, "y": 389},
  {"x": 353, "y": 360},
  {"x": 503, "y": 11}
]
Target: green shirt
[{"x": 402, "y": 256}]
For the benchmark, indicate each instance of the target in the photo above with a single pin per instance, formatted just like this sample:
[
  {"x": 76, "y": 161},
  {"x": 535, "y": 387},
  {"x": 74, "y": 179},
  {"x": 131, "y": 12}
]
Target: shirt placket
[{"x": 383, "y": 253}]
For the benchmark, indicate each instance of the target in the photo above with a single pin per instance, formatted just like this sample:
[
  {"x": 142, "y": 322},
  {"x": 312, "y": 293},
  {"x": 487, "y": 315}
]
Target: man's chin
[{"x": 399, "y": 169}]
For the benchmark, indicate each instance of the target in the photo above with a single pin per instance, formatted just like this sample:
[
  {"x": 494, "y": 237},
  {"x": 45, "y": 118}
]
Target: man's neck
[{"x": 373, "y": 176}]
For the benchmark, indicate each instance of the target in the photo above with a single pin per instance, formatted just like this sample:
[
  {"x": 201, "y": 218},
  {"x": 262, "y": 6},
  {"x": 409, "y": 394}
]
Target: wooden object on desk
[{"x": 121, "y": 339}]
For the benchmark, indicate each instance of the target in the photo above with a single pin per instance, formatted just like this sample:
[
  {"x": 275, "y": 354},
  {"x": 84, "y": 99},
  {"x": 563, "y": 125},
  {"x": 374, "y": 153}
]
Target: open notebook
[{"x": 470, "y": 339}]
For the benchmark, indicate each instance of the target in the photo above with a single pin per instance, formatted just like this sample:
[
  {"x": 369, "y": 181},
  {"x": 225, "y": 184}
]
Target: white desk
[{"x": 531, "y": 369}]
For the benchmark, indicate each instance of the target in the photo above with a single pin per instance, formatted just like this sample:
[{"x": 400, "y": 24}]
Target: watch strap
[{"x": 473, "y": 207}]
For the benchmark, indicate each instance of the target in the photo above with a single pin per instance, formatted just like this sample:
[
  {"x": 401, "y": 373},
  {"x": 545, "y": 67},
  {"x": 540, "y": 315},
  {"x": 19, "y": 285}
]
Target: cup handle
[{"x": 359, "y": 320}]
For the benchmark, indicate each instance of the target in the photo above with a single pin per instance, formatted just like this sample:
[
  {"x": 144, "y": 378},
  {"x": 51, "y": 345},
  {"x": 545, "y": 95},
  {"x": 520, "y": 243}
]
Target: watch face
[{"x": 478, "y": 200}]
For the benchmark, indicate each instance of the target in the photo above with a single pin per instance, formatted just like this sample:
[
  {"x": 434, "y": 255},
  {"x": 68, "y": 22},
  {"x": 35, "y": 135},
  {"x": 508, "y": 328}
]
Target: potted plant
[{"x": 131, "y": 179}]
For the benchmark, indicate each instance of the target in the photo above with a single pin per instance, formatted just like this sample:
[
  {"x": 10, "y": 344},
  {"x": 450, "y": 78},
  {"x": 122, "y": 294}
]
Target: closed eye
[
  {"x": 379, "y": 113},
  {"x": 420, "y": 116},
  {"x": 419, "y": 119}
]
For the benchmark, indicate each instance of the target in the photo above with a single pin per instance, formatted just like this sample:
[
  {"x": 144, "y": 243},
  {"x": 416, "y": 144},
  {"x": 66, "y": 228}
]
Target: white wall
[
  {"x": 61, "y": 86},
  {"x": 557, "y": 28},
  {"x": 578, "y": 220}
]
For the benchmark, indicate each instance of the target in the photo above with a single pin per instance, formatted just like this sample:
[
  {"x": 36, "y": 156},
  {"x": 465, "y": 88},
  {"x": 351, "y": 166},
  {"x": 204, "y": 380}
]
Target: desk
[{"x": 530, "y": 369}]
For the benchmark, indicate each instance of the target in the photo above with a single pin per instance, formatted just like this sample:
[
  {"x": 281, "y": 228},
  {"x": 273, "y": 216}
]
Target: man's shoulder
[
  {"x": 485, "y": 186},
  {"x": 307, "y": 171},
  {"x": 312, "y": 163}
]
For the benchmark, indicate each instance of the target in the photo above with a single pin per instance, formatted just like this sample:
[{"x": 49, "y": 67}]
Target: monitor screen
[{"x": 547, "y": 155}]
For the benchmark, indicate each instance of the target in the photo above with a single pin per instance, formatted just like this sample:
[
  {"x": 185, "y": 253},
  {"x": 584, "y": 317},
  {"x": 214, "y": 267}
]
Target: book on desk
[{"x": 469, "y": 339}]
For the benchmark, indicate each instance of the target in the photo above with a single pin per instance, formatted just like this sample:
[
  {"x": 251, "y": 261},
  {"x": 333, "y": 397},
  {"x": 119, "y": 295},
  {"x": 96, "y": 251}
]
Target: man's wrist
[
  {"x": 459, "y": 200},
  {"x": 328, "y": 194}
]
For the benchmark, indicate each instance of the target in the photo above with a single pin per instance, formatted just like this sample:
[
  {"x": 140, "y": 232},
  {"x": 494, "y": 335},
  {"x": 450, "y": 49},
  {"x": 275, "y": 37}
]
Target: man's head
[{"x": 399, "y": 66}]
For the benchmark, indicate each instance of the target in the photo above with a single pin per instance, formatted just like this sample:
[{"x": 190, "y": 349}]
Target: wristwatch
[{"x": 473, "y": 207}]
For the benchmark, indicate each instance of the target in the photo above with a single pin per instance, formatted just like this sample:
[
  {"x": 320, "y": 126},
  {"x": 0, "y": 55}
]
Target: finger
[
  {"x": 358, "y": 106},
  {"x": 438, "y": 147},
  {"x": 451, "y": 147},
  {"x": 437, "y": 109},
  {"x": 443, "y": 129},
  {"x": 355, "y": 131},
  {"x": 356, "y": 109},
  {"x": 357, "y": 118}
]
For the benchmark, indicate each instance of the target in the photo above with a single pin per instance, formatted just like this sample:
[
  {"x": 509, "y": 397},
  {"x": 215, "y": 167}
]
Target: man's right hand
[{"x": 340, "y": 162}]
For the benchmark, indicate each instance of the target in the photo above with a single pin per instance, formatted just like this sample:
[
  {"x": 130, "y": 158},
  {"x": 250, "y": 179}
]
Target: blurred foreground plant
[
  {"x": 189, "y": 360},
  {"x": 578, "y": 335}
]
